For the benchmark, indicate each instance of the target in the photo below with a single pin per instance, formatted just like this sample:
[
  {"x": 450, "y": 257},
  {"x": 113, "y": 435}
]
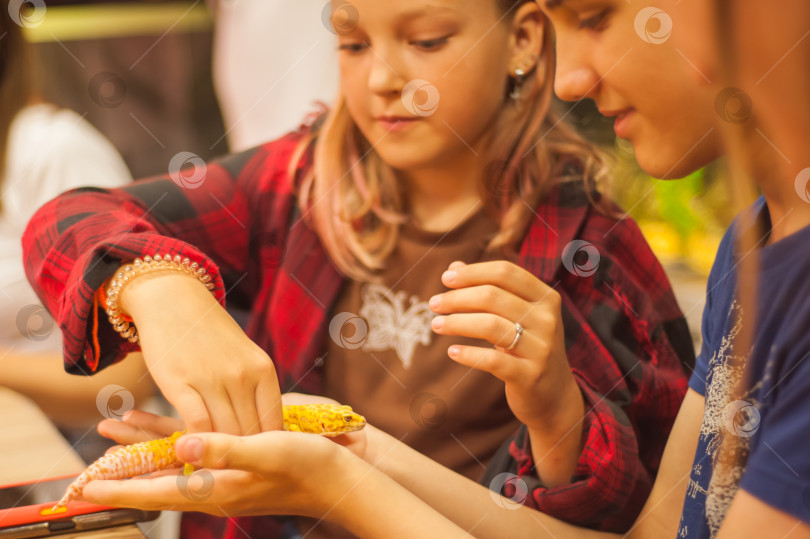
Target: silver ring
[{"x": 518, "y": 333}]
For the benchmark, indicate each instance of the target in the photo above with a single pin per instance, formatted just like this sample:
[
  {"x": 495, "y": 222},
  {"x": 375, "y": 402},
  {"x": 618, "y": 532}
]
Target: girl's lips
[
  {"x": 393, "y": 123},
  {"x": 621, "y": 126}
]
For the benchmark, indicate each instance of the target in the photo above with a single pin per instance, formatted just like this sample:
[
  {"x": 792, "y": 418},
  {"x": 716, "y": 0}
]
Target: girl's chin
[
  {"x": 659, "y": 161},
  {"x": 663, "y": 168},
  {"x": 405, "y": 158},
  {"x": 674, "y": 153}
]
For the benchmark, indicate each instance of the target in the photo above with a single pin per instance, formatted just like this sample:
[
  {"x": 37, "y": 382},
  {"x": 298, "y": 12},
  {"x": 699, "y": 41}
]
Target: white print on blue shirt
[{"x": 715, "y": 476}]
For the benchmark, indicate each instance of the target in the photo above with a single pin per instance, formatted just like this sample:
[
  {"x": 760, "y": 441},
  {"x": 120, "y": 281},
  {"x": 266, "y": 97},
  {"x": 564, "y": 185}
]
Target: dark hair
[{"x": 15, "y": 85}]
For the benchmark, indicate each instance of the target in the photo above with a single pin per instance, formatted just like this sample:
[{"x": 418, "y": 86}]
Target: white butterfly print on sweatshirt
[{"x": 392, "y": 325}]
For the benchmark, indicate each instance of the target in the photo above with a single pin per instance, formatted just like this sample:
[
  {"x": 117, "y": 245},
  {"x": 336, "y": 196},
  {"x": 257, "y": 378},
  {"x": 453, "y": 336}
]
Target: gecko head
[{"x": 343, "y": 420}]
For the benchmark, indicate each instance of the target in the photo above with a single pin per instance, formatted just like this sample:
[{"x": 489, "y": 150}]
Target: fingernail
[
  {"x": 437, "y": 322},
  {"x": 192, "y": 449},
  {"x": 449, "y": 276},
  {"x": 457, "y": 264},
  {"x": 454, "y": 351},
  {"x": 435, "y": 300},
  {"x": 126, "y": 415}
]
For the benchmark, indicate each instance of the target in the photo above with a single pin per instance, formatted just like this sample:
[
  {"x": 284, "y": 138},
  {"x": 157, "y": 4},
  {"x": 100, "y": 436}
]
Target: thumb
[{"x": 225, "y": 451}]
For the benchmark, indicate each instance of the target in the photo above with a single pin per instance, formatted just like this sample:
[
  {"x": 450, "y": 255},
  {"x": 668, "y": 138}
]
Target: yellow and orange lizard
[{"x": 147, "y": 457}]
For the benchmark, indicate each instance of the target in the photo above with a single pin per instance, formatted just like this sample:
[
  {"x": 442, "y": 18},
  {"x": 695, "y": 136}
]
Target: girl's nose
[
  {"x": 575, "y": 79},
  {"x": 384, "y": 78},
  {"x": 575, "y": 84}
]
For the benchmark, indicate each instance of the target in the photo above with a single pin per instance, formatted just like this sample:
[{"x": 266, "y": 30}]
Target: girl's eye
[
  {"x": 431, "y": 44},
  {"x": 595, "y": 22},
  {"x": 353, "y": 47}
]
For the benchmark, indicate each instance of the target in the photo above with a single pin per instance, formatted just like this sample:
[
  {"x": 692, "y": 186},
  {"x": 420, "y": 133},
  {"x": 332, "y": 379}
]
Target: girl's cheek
[{"x": 695, "y": 37}]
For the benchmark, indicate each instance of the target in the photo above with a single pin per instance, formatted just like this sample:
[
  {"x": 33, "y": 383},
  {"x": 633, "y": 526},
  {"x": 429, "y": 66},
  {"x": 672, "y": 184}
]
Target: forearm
[
  {"x": 662, "y": 512},
  {"x": 72, "y": 245},
  {"x": 470, "y": 505},
  {"x": 41, "y": 377},
  {"x": 372, "y": 505}
]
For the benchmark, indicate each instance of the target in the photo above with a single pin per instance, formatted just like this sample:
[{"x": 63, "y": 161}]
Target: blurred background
[{"x": 139, "y": 72}]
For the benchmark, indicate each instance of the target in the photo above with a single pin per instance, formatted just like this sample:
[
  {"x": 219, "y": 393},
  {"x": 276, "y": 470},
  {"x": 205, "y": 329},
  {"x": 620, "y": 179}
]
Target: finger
[
  {"x": 139, "y": 426},
  {"x": 301, "y": 398},
  {"x": 172, "y": 469},
  {"x": 124, "y": 433},
  {"x": 164, "y": 425},
  {"x": 259, "y": 453},
  {"x": 268, "y": 401},
  {"x": 500, "y": 273},
  {"x": 484, "y": 298},
  {"x": 508, "y": 368},
  {"x": 244, "y": 405},
  {"x": 489, "y": 327},
  {"x": 192, "y": 409},
  {"x": 148, "y": 494},
  {"x": 220, "y": 409}
]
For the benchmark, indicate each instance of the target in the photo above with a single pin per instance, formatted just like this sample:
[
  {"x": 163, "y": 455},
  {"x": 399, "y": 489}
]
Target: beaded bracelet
[{"x": 109, "y": 294}]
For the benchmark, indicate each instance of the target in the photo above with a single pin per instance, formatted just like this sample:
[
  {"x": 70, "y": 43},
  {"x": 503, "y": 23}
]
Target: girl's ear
[{"x": 528, "y": 33}]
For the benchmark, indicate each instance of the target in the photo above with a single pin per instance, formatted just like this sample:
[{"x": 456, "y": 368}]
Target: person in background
[{"x": 45, "y": 151}]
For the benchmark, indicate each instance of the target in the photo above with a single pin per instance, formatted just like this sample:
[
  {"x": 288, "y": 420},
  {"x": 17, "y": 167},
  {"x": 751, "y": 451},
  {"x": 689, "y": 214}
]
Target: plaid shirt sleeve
[
  {"x": 630, "y": 351},
  {"x": 75, "y": 242}
]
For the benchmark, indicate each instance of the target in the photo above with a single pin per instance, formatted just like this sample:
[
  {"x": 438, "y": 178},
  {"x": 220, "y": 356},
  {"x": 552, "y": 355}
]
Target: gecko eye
[{"x": 347, "y": 418}]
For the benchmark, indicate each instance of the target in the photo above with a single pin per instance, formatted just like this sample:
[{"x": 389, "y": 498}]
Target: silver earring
[{"x": 519, "y": 74}]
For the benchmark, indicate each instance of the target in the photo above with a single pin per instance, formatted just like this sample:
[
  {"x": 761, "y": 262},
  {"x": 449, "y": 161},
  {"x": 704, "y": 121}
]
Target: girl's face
[
  {"x": 423, "y": 79},
  {"x": 619, "y": 54}
]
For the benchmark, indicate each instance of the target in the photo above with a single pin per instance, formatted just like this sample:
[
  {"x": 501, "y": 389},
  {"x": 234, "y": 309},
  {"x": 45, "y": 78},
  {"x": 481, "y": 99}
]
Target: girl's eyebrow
[
  {"x": 426, "y": 11},
  {"x": 553, "y": 4}
]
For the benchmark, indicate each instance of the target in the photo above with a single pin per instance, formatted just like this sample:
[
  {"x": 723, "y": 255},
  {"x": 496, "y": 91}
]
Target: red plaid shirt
[{"x": 626, "y": 339}]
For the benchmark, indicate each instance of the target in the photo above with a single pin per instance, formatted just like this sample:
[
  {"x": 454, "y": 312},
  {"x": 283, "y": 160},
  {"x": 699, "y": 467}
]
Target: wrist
[
  {"x": 564, "y": 413},
  {"x": 377, "y": 444},
  {"x": 141, "y": 295},
  {"x": 556, "y": 446},
  {"x": 132, "y": 288},
  {"x": 347, "y": 472},
  {"x": 382, "y": 450}
]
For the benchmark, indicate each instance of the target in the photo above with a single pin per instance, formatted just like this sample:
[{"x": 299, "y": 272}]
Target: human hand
[
  {"x": 268, "y": 473},
  {"x": 485, "y": 302},
  {"x": 202, "y": 361}
]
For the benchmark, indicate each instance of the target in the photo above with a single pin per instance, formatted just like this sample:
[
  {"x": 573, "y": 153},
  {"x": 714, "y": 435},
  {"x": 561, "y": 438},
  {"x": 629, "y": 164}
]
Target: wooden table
[{"x": 32, "y": 448}]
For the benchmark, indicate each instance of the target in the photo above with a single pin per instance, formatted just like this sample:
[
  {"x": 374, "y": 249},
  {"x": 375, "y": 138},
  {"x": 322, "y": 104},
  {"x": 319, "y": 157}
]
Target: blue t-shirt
[{"x": 770, "y": 423}]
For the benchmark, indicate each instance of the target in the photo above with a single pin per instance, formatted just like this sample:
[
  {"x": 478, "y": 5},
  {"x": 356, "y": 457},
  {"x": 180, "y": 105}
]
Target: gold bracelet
[{"x": 110, "y": 293}]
